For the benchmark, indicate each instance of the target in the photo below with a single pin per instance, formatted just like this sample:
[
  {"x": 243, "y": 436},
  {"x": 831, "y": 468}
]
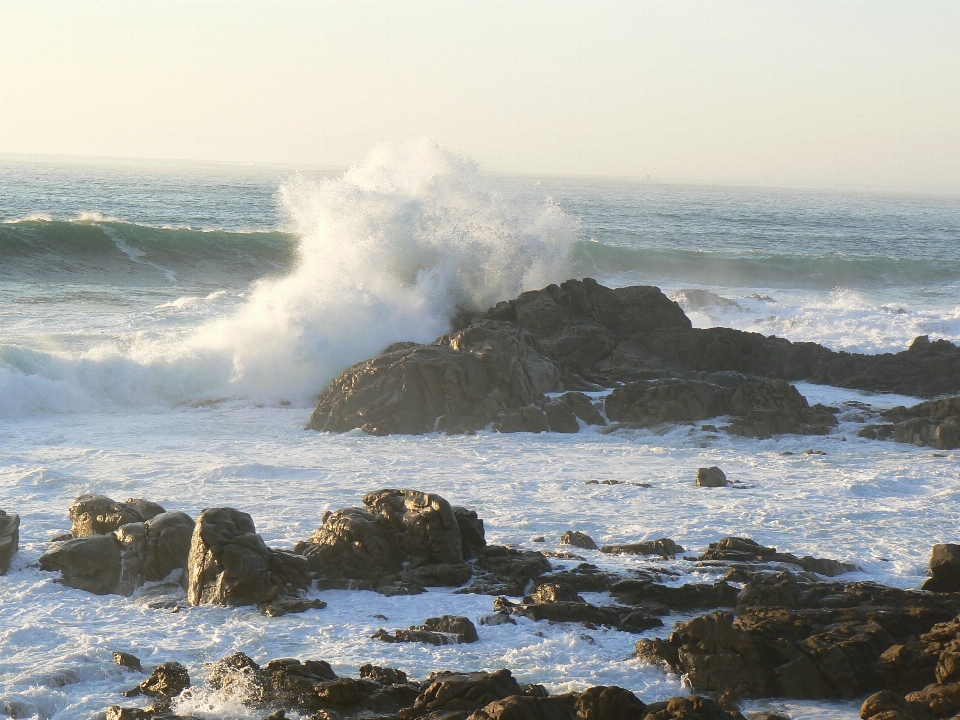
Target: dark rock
[
  {"x": 578, "y": 539},
  {"x": 461, "y": 692},
  {"x": 445, "y": 630},
  {"x": 151, "y": 550},
  {"x": 609, "y": 703},
  {"x": 166, "y": 681},
  {"x": 427, "y": 528},
  {"x": 692, "y": 596},
  {"x": 548, "y": 605},
  {"x": 230, "y": 565},
  {"x": 90, "y": 563},
  {"x": 98, "y": 514},
  {"x": 690, "y": 708},
  {"x": 935, "y": 423},
  {"x": 737, "y": 549},
  {"x": 9, "y": 539},
  {"x": 530, "y": 419},
  {"x": 385, "y": 676},
  {"x": 460, "y": 383},
  {"x": 287, "y": 605},
  {"x": 506, "y": 571},
  {"x": 525, "y": 707},
  {"x": 664, "y": 547},
  {"x": 472, "y": 536},
  {"x": 945, "y": 569},
  {"x": 131, "y": 662},
  {"x": 355, "y": 544},
  {"x": 711, "y": 477}
]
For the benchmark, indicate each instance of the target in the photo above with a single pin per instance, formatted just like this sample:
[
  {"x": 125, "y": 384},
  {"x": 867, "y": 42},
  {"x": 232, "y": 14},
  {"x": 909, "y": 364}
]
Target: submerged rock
[
  {"x": 9, "y": 539},
  {"x": 711, "y": 477},
  {"x": 664, "y": 547},
  {"x": 445, "y": 630}
]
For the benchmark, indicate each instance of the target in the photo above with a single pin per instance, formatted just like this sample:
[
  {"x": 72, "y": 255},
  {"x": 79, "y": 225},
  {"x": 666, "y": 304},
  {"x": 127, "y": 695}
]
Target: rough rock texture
[
  {"x": 428, "y": 531},
  {"x": 711, "y": 477},
  {"x": 473, "y": 541},
  {"x": 89, "y": 563},
  {"x": 98, "y": 514},
  {"x": 507, "y": 571},
  {"x": 945, "y": 569},
  {"x": 655, "y": 597},
  {"x": 664, "y": 547},
  {"x": 497, "y": 365},
  {"x": 558, "y": 604},
  {"x": 526, "y": 707},
  {"x": 9, "y": 539},
  {"x": 935, "y": 423},
  {"x": 461, "y": 382},
  {"x": 737, "y": 549},
  {"x": 578, "y": 539},
  {"x": 444, "y": 630},
  {"x": 230, "y": 565},
  {"x": 166, "y": 681},
  {"x": 832, "y": 645}
]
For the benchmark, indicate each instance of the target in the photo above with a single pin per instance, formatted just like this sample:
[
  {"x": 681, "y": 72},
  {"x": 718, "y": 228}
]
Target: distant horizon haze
[{"x": 802, "y": 94}]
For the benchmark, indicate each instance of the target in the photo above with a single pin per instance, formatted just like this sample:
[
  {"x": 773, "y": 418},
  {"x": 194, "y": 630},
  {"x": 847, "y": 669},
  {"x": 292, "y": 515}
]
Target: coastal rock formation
[
  {"x": 711, "y": 477},
  {"x": 123, "y": 560},
  {"x": 427, "y": 529},
  {"x": 557, "y": 603},
  {"x": 9, "y": 539},
  {"x": 494, "y": 368},
  {"x": 98, "y": 514},
  {"x": 737, "y": 549},
  {"x": 935, "y": 423},
  {"x": 229, "y": 564},
  {"x": 664, "y": 547},
  {"x": 578, "y": 539},
  {"x": 445, "y": 630},
  {"x": 945, "y": 569}
]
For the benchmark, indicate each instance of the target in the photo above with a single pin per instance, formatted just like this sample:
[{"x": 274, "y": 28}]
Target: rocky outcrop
[
  {"x": 98, "y": 514},
  {"x": 167, "y": 681},
  {"x": 427, "y": 529},
  {"x": 763, "y": 408},
  {"x": 9, "y": 539},
  {"x": 507, "y": 571},
  {"x": 578, "y": 539},
  {"x": 459, "y": 383},
  {"x": 123, "y": 560},
  {"x": 444, "y": 630},
  {"x": 944, "y": 568},
  {"x": 711, "y": 477},
  {"x": 664, "y": 547},
  {"x": 229, "y": 564},
  {"x": 557, "y": 603},
  {"x": 495, "y": 367},
  {"x": 935, "y": 424},
  {"x": 737, "y": 549}
]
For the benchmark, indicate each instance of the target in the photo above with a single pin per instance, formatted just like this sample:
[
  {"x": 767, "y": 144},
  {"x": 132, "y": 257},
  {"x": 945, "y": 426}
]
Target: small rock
[
  {"x": 9, "y": 539},
  {"x": 166, "y": 681},
  {"x": 131, "y": 662},
  {"x": 287, "y": 605},
  {"x": 711, "y": 477},
  {"x": 538, "y": 539},
  {"x": 578, "y": 539},
  {"x": 945, "y": 569}
]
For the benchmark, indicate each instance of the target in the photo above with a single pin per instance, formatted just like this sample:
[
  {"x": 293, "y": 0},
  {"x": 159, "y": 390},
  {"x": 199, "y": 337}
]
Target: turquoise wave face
[{"x": 129, "y": 253}]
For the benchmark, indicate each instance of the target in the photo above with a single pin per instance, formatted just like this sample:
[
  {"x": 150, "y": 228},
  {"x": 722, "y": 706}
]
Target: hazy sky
[{"x": 839, "y": 94}]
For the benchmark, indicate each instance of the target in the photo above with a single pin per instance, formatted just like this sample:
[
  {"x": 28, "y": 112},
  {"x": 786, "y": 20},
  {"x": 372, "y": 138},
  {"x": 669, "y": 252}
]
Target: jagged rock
[
  {"x": 526, "y": 707},
  {"x": 664, "y": 547},
  {"x": 585, "y": 577},
  {"x": 9, "y": 539},
  {"x": 554, "y": 603},
  {"x": 942, "y": 701},
  {"x": 445, "y": 630},
  {"x": 690, "y": 708},
  {"x": 609, "y": 703},
  {"x": 737, "y": 549},
  {"x": 472, "y": 536},
  {"x": 711, "y": 477},
  {"x": 98, "y": 514},
  {"x": 385, "y": 676},
  {"x": 653, "y": 596},
  {"x": 131, "y": 662},
  {"x": 459, "y": 383},
  {"x": 506, "y": 571},
  {"x": 151, "y": 550},
  {"x": 90, "y": 563},
  {"x": 166, "y": 681},
  {"x": 355, "y": 544},
  {"x": 462, "y": 692},
  {"x": 230, "y": 565},
  {"x": 287, "y": 605},
  {"x": 945, "y": 569},
  {"x": 935, "y": 423},
  {"x": 578, "y": 539},
  {"x": 428, "y": 531}
]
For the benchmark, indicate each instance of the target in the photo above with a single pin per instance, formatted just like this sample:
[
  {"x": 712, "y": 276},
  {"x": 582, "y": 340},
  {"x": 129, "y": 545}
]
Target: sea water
[{"x": 165, "y": 328}]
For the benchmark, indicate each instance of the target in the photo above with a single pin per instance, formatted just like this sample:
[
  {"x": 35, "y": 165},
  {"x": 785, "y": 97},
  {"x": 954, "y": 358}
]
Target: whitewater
[{"x": 165, "y": 328}]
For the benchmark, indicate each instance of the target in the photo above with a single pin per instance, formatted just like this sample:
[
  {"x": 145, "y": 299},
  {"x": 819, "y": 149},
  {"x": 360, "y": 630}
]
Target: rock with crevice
[
  {"x": 944, "y": 569},
  {"x": 427, "y": 528},
  {"x": 555, "y": 603},
  {"x": 98, "y": 514}
]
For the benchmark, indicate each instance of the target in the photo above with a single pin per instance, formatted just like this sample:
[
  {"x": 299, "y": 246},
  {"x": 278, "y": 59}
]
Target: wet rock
[
  {"x": 230, "y": 565},
  {"x": 556, "y": 604},
  {"x": 737, "y": 549},
  {"x": 609, "y": 703},
  {"x": 472, "y": 536},
  {"x": 711, "y": 477},
  {"x": 462, "y": 692},
  {"x": 428, "y": 531},
  {"x": 578, "y": 539},
  {"x": 160, "y": 596},
  {"x": 384, "y": 676},
  {"x": 151, "y": 550},
  {"x": 90, "y": 563},
  {"x": 167, "y": 681},
  {"x": 353, "y": 544},
  {"x": 690, "y": 708},
  {"x": 459, "y": 383},
  {"x": 653, "y": 596},
  {"x": 507, "y": 571},
  {"x": 131, "y": 662},
  {"x": 98, "y": 514},
  {"x": 945, "y": 569},
  {"x": 935, "y": 423},
  {"x": 531, "y": 419},
  {"x": 664, "y": 547},
  {"x": 287, "y": 605},
  {"x": 444, "y": 630},
  {"x": 9, "y": 539},
  {"x": 525, "y": 707}
]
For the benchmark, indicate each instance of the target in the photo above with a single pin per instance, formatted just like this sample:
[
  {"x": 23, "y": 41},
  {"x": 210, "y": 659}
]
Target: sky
[{"x": 862, "y": 94}]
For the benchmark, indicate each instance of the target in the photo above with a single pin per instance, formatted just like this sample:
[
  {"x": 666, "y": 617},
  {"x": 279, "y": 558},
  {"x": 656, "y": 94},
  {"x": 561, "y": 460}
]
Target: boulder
[
  {"x": 445, "y": 630},
  {"x": 9, "y": 539},
  {"x": 98, "y": 514},
  {"x": 654, "y": 596},
  {"x": 558, "y": 604},
  {"x": 462, "y": 692},
  {"x": 711, "y": 477},
  {"x": 944, "y": 568},
  {"x": 151, "y": 550},
  {"x": 578, "y": 539},
  {"x": 935, "y": 423},
  {"x": 507, "y": 571},
  {"x": 166, "y": 681},
  {"x": 664, "y": 547},
  {"x": 229, "y": 564},
  {"x": 459, "y": 383},
  {"x": 354, "y": 544},
  {"x": 90, "y": 563},
  {"x": 427, "y": 529},
  {"x": 609, "y": 703},
  {"x": 526, "y": 707},
  {"x": 690, "y": 708},
  {"x": 472, "y": 536},
  {"x": 130, "y": 662}
]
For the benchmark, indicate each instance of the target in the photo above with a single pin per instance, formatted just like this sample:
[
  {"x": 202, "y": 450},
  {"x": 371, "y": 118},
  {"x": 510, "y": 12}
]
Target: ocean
[{"x": 165, "y": 329}]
